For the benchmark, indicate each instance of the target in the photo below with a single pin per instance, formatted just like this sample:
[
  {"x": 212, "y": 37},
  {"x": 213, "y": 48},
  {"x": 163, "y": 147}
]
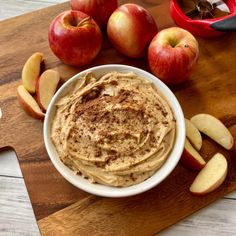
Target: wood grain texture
[
  {"x": 216, "y": 220},
  {"x": 9, "y": 165},
  {"x": 146, "y": 213},
  {"x": 13, "y": 8},
  {"x": 49, "y": 192},
  {"x": 29, "y": 146},
  {"x": 16, "y": 214}
]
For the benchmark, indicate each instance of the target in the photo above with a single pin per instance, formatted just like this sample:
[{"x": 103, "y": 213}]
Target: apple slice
[
  {"x": 28, "y": 103},
  {"x": 191, "y": 158},
  {"x": 213, "y": 128},
  {"x": 31, "y": 71},
  {"x": 46, "y": 87},
  {"x": 193, "y": 134},
  {"x": 211, "y": 176}
]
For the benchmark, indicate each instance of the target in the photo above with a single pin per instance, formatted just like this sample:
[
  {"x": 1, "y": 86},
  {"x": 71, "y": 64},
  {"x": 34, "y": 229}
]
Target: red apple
[
  {"x": 191, "y": 158},
  {"x": 100, "y": 10},
  {"x": 131, "y": 28},
  {"x": 28, "y": 103},
  {"x": 75, "y": 38},
  {"x": 172, "y": 54}
]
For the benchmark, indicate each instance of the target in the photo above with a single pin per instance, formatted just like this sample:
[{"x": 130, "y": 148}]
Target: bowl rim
[{"x": 109, "y": 191}]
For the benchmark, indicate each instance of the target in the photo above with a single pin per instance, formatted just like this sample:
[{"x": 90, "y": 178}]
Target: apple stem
[{"x": 84, "y": 21}]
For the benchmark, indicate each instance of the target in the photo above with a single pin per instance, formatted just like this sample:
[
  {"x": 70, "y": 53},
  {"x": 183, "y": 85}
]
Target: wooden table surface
[{"x": 16, "y": 215}]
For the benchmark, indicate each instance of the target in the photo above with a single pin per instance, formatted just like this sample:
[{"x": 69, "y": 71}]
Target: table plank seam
[
  {"x": 10, "y": 176},
  {"x": 229, "y": 198}
]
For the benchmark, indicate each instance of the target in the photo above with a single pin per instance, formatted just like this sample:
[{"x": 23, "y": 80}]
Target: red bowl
[{"x": 199, "y": 27}]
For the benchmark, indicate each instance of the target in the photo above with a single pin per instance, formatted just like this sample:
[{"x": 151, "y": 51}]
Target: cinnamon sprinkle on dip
[{"x": 116, "y": 130}]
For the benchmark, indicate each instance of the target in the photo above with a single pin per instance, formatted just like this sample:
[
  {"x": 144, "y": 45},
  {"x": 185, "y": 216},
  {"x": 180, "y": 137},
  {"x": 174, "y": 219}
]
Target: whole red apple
[
  {"x": 130, "y": 28},
  {"x": 100, "y": 10},
  {"x": 75, "y": 38},
  {"x": 172, "y": 54}
]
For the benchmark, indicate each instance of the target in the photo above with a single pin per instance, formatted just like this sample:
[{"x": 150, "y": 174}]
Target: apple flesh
[
  {"x": 100, "y": 10},
  {"x": 46, "y": 87},
  {"x": 191, "y": 158},
  {"x": 172, "y": 55},
  {"x": 211, "y": 176},
  {"x": 28, "y": 103},
  {"x": 130, "y": 29},
  {"x": 75, "y": 38},
  {"x": 31, "y": 71},
  {"x": 214, "y": 129},
  {"x": 193, "y": 134}
]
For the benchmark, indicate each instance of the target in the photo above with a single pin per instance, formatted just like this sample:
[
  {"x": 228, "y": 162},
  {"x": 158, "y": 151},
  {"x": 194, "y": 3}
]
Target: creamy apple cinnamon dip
[{"x": 116, "y": 130}]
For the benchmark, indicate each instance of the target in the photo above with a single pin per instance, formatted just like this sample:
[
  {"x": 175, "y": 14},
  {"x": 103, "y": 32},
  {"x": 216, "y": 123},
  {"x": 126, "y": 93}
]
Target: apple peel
[
  {"x": 130, "y": 29},
  {"x": 31, "y": 71},
  {"x": 28, "y": 103},
  {"x": 172, "y": 55},
  {"x": 46, "y": 87},
  {"x": 213, "y": 128},
  {"x": 191, "y": 158},
  {"x": 99, "y": 10},
  {"x": 211, "y": 176},
  {"x": 76, "y": 44}
]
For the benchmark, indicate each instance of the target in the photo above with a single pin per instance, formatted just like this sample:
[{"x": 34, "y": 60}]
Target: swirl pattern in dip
[{"x": 115, "y": 130}]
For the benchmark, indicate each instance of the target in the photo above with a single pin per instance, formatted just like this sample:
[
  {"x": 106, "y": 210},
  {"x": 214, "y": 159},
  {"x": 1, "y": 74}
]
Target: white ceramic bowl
[{"x": 108, "y": 191}]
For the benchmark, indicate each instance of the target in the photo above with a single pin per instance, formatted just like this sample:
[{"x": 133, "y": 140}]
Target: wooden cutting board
[{"x": 62, "y": 209}]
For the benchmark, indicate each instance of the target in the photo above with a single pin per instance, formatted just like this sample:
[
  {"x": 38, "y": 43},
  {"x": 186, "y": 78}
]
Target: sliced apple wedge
[
  {"x": 31, "y": 71},
  {"x": 193, "y": 134},
  {"x": 211, "y": 176},
  {"x": 191, "y": 158},
  {"x": 28, "y": 103},
  {"x": 46, "y": 87},
  {"x": 213, "y": 128}
]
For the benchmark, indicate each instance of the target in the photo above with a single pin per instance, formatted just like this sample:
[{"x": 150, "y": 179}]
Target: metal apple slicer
[{"x": 204, "y": 18}]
